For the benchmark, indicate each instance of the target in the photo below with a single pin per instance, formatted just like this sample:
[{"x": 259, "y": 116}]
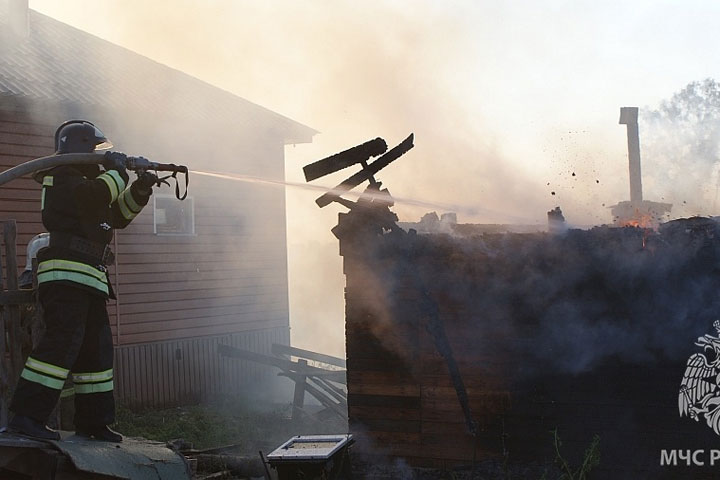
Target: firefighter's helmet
[{"x": 79, "y": 136}]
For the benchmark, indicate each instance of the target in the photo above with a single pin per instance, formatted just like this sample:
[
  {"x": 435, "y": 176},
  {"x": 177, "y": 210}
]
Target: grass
[
  {"x": 221, "y": 422},
  {"x": 591, "y": 459}
]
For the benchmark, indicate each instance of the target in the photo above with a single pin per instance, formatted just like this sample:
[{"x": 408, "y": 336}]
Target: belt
[{"x": 97, "y": 252}]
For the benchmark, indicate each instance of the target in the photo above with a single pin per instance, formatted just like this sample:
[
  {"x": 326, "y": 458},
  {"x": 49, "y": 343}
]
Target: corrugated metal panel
[{"x": 185, "y": 371}]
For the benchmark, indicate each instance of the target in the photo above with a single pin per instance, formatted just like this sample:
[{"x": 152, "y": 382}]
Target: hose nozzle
[{"x": 142, "y": 163}]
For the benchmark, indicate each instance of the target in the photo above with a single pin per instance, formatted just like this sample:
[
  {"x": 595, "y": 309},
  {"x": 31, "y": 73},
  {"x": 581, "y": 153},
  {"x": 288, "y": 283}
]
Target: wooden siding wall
[
  {"x": 231, "y": 276},
  {"x": 22, "y": 140},
  {"x": 165, "y": 374}
]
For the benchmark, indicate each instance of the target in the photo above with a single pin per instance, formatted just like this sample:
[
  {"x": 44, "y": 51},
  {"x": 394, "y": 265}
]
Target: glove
[
  {"x": 116, "y": 161},
  {"x": 145, "y": 182}
]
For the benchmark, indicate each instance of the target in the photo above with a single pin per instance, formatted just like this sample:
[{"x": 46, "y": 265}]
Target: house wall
[
  {"x": 180, "y": 372},
  {"x": 227, "y": 282}
]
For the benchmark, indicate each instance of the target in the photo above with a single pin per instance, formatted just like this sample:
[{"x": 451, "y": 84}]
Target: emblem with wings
[{"x": 700, "y": 385}]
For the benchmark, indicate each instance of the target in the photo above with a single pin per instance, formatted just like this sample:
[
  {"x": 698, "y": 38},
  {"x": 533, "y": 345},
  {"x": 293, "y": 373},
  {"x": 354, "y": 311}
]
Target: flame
[{"x": 640, "y": 221}]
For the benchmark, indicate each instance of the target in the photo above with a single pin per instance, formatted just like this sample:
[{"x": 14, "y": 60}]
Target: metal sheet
[
  {"x": 133, "y": 459},
  {"x": 309, "y": 448}
]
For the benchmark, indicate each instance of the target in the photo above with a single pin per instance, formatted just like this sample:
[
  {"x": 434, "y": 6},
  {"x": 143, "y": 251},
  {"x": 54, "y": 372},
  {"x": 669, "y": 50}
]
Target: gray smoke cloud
[{"x": 504, "y": 100}]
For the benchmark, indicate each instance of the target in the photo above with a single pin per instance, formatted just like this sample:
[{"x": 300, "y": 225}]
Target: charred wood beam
[
  {"x": 331, "y": 389},
  {"x": 366, "y": 173},
  {"x": 344, "y": 159},
  {"x": 322, "y": 397},
  {"x": 16, "y": 297},
  {"x": 279, "y": 349},
  {"x": 299, "y": 394},
  {"x": 285, "y": 365}
]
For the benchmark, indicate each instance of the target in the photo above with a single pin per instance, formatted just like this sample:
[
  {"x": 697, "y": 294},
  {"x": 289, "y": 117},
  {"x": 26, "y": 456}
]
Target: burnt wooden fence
[{"x": 17, "y": 309}]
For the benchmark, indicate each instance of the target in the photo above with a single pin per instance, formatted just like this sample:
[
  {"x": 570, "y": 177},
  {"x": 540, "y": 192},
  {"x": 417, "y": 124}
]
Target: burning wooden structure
[{"x": 467, "y": 346}]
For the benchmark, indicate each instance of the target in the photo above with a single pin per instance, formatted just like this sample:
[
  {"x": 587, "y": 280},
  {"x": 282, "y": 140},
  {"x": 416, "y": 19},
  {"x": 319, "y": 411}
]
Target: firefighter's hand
[
  {"x": 116, "y": 161},
  {"x": 145, "y": 181}
]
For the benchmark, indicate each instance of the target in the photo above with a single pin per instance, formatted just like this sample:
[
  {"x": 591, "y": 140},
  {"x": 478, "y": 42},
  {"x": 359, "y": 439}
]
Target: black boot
[
  {"x": 103, "y": 433},
  {"x": 32, "y": 428}
]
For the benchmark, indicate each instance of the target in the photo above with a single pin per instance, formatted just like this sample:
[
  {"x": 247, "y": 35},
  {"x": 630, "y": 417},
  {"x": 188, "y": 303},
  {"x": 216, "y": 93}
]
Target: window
[{"x": 172, "y": 216}]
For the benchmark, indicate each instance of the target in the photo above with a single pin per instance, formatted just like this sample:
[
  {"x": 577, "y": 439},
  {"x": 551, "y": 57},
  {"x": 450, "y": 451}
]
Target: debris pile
[{"x": 466, "y": 348}]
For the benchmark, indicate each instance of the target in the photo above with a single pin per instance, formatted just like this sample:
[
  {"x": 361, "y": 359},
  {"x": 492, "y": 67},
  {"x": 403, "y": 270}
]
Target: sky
[{"x": 507, "y": 100}]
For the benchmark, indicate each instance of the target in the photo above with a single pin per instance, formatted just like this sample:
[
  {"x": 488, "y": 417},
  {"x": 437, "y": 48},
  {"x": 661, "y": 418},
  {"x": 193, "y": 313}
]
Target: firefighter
[{"x": 80, "y": 207}]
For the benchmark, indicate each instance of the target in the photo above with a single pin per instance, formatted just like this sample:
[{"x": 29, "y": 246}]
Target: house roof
[{"x": 59, "y": 63}]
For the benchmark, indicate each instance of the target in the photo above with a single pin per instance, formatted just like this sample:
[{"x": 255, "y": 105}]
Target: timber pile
[{"x": 471, "y": 348}]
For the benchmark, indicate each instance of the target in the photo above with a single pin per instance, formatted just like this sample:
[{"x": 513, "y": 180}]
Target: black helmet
[{"x": 79, "y": 136}]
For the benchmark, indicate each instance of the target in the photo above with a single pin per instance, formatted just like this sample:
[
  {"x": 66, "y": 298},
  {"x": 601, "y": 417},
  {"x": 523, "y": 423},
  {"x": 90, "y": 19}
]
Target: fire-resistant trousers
[{"x": 77, "y": 343}]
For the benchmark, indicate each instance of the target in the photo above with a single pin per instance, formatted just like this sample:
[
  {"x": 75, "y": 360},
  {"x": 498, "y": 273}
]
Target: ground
[{"x": 225, "y": 421}]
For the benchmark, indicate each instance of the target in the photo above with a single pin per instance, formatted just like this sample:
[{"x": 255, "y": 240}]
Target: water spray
[{"x": 370, "y": 195}]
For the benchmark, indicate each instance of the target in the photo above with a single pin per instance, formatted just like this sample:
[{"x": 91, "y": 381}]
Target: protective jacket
[
  {"x": 80, "y": 208},
  {"x": 80, "y": 214}
]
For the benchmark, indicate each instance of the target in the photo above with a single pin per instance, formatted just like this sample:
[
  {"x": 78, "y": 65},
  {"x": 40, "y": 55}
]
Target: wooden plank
[
  {"x": 10, "y": 194},
  {"x": 258, "y": 276},
  {"x": 221, "y": 329},
  {"x": 204, "y": 237},
  {"x": 31, "y": 150},
  {"x": 35, "y": 140},
  {"x": 188, "y": 247},
  {"x": 359, "y": 413},
  {"x": 390, "y": 425},
  {"x": 393, "y": 401},
  {"x": 278, "y": 349},
  {"x": 243, "y": 284},
  {"x": 8, "y": 209},
  {"x": 23, "y": 183},
  {"x": 268, "y": 299},
  {"x": 177, "y": 317},
  {"x": 382, "y": 377},
  {"x": 16, "y": 297},
  {"x": 11, "y": 123},
  {"x": 30, "y": 217},
  {"x": 13, "y": 311},
  {"x": 403, "y": 390},
  {"x": 285, "y": 365},
  {"x": 4, "y": 360},
  {"x": 171, "y": 296},
  {"x": 218, "y": 256},
  {"x": 219, "y": 265}
]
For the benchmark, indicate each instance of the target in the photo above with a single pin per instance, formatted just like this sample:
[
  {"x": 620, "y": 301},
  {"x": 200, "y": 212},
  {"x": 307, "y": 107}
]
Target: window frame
[{"x": 192, "y": 233}]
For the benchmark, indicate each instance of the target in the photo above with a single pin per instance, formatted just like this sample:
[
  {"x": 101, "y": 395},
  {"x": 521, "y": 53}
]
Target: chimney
[
  {"x": 19, "y": 17},
  {"x": 629, "y": 117}
]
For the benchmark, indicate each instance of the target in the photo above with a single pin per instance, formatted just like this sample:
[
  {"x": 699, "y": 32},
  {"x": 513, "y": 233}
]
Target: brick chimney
[{"x": 18, "y": 17}]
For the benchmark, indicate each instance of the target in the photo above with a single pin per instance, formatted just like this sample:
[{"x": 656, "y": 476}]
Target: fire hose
[{"x": 137, "y": 164}]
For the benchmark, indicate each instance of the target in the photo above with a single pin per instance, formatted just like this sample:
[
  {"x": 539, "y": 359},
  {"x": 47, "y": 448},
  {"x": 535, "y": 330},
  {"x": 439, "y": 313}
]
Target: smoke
[
  {"x": 564, "y": 304},
  {"x": 506, "y": 103},
  {"x": 680, "y": 141}
]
